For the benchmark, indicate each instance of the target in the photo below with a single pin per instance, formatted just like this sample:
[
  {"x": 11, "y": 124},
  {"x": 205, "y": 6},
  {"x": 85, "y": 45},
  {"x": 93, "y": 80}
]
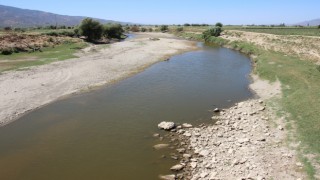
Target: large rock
[{"x": 166, "y": 125}]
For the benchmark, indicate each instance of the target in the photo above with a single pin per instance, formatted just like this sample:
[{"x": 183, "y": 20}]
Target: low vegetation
[
  {"x": 65, "y": 50},
  {"x": 300, "y": 86}
]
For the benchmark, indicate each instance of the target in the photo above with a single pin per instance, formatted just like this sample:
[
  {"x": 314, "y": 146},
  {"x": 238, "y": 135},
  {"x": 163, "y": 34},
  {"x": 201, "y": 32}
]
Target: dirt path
[{"x": 23, "y": 91}]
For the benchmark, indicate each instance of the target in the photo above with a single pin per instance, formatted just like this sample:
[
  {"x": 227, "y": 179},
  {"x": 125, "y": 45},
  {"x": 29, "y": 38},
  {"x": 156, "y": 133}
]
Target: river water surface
[{"x": 107, "y": 133}]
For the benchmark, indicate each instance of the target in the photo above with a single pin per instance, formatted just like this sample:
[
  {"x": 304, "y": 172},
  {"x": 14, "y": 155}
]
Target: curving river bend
[{"x": 107, "y": 133}]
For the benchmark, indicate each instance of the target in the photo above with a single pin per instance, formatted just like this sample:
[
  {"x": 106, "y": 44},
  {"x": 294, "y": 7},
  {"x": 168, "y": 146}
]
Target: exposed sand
[{"x": 26, "y": 90}]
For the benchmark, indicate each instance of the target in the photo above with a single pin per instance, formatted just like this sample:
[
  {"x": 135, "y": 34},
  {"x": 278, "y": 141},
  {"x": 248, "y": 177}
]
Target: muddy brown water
[{"x": 107, "y": 133}]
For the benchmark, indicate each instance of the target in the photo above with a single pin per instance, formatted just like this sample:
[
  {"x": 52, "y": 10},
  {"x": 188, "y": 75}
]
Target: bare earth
[{"x": 28, "y": 89}]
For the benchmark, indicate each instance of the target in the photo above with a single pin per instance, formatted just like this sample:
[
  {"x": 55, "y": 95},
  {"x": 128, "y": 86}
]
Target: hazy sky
[{"x": 181, "y": 11}]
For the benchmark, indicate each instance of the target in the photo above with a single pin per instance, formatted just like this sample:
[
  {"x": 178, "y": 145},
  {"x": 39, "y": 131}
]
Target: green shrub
[
  {"x": 68, "y": 33},
  {"x": 150, "y": 29},
  {"x": 216, "y": 31},
  {"x": 164, "y": 28},
  {"x": 217, "y": 40},
  {"x": 76, "y": 31},
  {"x": 143, "y": 29},
  {"x": 7, "y": 28},
  {"x": 7, "y": 51},
  {"x": 244, "y": 47},
  {"x": 135, "y": 28},
  {"x": 179, "y": 29},
  {"x": 91, "y": 29},
  {"x": 52, "y": 33},
  {"x": 50, "y": 39}
]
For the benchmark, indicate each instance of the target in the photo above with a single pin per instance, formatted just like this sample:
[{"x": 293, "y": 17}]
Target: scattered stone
[
  {"x": 204, "y": 153},
  {"x": 280, "y": 128},
  {"x": 204, "y": 174},
  {"x": 177, "y": 167},
  {"x": 160, "y": 146},
  {"x": 243, "y": 140},
  {"x": 167, "y": 177},
  {"x": 299, "y": 164},
  {"x": 174, "y": 157},
  {"x": 213, "y": 176},
  {"x": 187, "y": 134},
  {"x": 186, "y": 125},
  {"x": 154, "y": 39},
  {"x": 156, "y": 135},
  {"x": 216, "y": 110},
  {"x": 181, "y": 150},
  {"x": 240, "y": 145},
  {"x": 261, "y": 139},
  {"x": 166, "y": 125},
  {"x": 193, "y": 165}
]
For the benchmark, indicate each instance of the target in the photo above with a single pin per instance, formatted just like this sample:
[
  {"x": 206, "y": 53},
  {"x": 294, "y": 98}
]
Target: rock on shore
[{"x": 166, "y": 125}]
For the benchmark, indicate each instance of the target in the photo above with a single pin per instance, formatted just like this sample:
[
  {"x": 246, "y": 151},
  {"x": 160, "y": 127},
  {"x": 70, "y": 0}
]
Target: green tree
[
  {"x": 113, "y": 31},
  {"x": 91, "y": 29},
  {"x": 219, "y": 24}
]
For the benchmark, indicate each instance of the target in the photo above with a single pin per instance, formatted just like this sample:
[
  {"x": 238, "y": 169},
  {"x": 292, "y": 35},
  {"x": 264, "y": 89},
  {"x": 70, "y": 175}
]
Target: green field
[
  {"x": 311, "y": 31},
  {"x": 48, "y": 55},
  {"x": 301, "y": 98}
]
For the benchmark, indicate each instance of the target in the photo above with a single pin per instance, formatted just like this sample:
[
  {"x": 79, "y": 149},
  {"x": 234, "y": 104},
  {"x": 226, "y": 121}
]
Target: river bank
[
  {"x": 246, "y": 141},
  {"x": 27, "y": 89}
]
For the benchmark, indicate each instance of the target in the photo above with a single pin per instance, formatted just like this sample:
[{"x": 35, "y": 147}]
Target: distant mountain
[
  {"x": 314, "y": 22},
  {"x": 16, "y": 17}
]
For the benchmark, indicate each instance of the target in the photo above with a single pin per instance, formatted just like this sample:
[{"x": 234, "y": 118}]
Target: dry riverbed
[
  {"x": 27, "y": 89},
  {"x": 246, "y": 141}
]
